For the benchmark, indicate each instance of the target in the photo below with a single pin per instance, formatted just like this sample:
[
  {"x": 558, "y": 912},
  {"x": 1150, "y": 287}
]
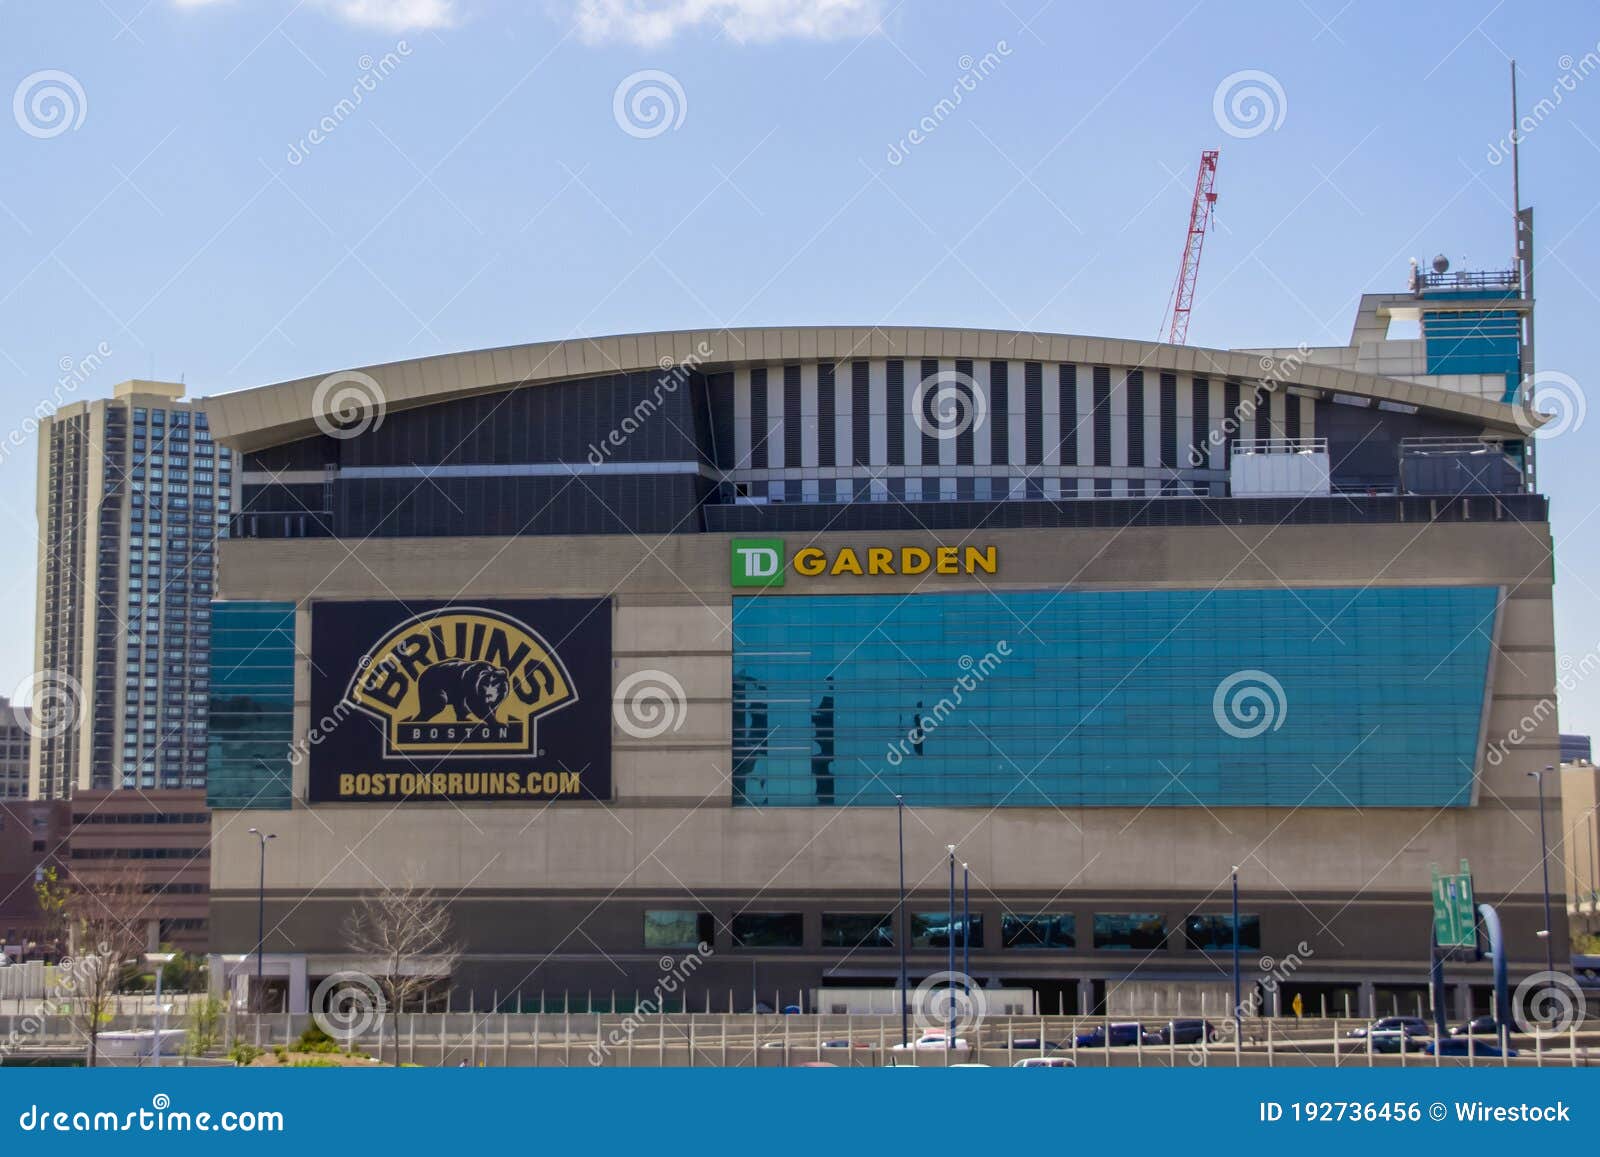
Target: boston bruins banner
[{"x": 435, "y": 701}]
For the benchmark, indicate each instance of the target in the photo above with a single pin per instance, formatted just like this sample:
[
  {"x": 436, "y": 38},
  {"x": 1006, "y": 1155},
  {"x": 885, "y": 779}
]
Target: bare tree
[
  {"x": 106, "y": 918},
  {"x": 407, "y": 934}
]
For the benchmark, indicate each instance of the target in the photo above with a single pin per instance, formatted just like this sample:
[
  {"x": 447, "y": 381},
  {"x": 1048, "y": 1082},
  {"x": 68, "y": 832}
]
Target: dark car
[
  {"x": 1032, "y": 1044},
  {"x": 1477, "y": 1026},
  {"x": 1394, "y": 1041},
  {"x": 1188, "y": 1032},
  {"x": 1409, "y": 1025},
  {"x": 1123, "y": 1035},
  {"x": 1463, "y": 1046}
]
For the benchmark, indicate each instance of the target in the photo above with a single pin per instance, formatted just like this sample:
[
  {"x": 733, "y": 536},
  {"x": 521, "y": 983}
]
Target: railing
[
  {"x": 588, "y": 1040},
  {"x": 1482, "y": 445},
  {"x": 1505, "y": 279},
  {"x": 1243, "y": 446}
]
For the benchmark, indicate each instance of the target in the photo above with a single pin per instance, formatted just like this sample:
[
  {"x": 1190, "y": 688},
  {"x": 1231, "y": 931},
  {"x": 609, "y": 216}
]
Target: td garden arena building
[{"x": 625, "y": 648}]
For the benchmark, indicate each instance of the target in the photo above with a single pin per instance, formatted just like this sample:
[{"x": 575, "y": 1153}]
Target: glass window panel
[
  {"x": 769, "y": 930},
  {"x": 847, "y": 700},
  {"x": 1129, "y": 931},
  {"x": 676, "y": 928},
  {"x": 1043, "y": 930},
  {"x": 934, "y": 930},
  {"x": 857, "y": 930},
  {"x": 1214, "y": 933}
]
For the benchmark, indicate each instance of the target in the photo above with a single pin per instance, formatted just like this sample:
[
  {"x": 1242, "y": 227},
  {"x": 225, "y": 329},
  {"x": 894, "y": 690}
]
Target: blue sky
[{"x": 485, "y": 190}]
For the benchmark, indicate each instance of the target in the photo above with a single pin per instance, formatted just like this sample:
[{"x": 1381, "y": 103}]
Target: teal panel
[
  {"x": 252, "y": 705},
  {"x": 1338, "y": 697}
]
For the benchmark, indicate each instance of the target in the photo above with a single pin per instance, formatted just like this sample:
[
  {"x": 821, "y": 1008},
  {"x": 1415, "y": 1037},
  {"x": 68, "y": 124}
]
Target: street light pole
[
  {"x": 160, "y": 960},
  {"x": 901, "y": 933},
  {"x": 950, "y": 938},
  {"x": 966, "y": 929},
  {"x": 261, "y": 915},
  {"x": 1544, "y": 867},
  {"x": 1237, "y": 1015}
]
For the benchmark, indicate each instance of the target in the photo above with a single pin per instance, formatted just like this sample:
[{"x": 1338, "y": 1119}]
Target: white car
[
  {"x": 932, "y": 1039},
  {"x": 1043, "y": 1063}
]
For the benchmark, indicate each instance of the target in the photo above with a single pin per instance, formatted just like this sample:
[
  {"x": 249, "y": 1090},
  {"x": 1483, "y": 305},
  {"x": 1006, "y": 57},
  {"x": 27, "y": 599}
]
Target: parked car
[
  {"x": 1410, "y": 1025},
  {"x": 845, "y": 1044},
  {"x": 1393, "y": 1040},
  {"x": 1187, "y": 1032},
  {"x": 1123, "y": 1034},
  {"x": 932, "y": 1039},
  {"x": 1043, "y": 1063},
  {"x": 1477, "y": 1026},
  {"x": 1463, "y": 1046},
  {"x": 1032, "y": 1044}
]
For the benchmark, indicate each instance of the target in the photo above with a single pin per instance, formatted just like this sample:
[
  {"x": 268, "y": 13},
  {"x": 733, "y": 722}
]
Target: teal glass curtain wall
[
  {"x": 252, "y": 705},
  {"x": 1332, "y": 697}
]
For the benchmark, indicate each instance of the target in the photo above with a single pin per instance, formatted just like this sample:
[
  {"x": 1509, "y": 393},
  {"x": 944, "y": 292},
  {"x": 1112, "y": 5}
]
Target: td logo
[{"x": 757, "y": 562}]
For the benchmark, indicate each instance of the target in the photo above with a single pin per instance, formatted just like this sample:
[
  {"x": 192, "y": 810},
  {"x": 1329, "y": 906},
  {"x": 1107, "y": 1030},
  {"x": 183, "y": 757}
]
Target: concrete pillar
[
  {"x": 299, "y": 996},
  {"x": 1463, "y": 1001},
  {"x": 1085, "y": 996},
  {"x": 1369, "y": 999}
]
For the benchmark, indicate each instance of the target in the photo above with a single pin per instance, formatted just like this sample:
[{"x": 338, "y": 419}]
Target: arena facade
[{"x": 626, "y": 647}]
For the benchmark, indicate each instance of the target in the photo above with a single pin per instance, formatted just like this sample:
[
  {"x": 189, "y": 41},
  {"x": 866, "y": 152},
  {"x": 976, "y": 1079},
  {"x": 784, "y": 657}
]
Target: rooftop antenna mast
[
  {"x": 1205, "y": 198},
  {"x": 1522, "y": 263}
]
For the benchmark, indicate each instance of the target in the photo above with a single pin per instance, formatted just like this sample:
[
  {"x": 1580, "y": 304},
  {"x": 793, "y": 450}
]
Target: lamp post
[
  {"x": 966, "y": 928},
  {"x": 160, "y": 960},
  {"x": 950, "y": 939},
  {"x": 261, "y": 914},
  {"x": 901, "y": 932},
  {"x": 1544, "y": 867},
  {"x": 1238, "y": 1026}
]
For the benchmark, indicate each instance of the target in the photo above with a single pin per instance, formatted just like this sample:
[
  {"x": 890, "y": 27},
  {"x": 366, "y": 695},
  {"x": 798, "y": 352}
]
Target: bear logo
[{"x": 474, "y": 689}]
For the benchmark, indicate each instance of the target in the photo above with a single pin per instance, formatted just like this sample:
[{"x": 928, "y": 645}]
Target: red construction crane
[{"x": 1189, "y": 271}]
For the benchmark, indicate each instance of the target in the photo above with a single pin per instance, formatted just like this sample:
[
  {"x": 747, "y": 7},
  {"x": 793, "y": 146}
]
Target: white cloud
[
  {"x": 652, "y": 22},
  {"x": 385, "y": 15}
]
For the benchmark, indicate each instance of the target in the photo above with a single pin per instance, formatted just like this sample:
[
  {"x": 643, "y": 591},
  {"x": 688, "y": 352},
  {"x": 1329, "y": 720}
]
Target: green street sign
[
  {"x": 757, "y": 562},
  {"x": 1455, "y": 916}
]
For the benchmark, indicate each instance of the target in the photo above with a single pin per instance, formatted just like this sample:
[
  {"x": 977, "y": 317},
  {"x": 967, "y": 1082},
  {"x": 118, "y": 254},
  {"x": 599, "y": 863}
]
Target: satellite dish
[{"x": 1441, "y": 264}]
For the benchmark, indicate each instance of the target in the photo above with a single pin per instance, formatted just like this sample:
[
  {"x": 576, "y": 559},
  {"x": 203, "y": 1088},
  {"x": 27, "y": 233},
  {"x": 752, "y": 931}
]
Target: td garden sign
[{"x": 764, "y": 562}]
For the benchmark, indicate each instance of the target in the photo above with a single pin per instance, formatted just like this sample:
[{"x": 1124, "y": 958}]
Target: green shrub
[
  {"x": 241, "y": 1053},
  {"x": 315, "y": 1040},
  {"x": 204, "y": 1028}
]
